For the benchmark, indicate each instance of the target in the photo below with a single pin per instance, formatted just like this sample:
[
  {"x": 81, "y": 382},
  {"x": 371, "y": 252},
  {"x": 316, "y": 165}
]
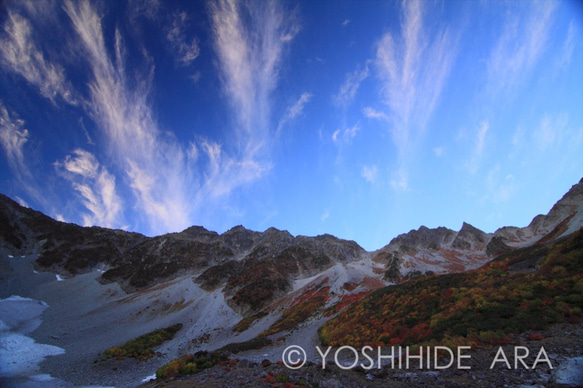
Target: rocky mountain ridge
[
  {"x": 442, "y": 250},
  {"x": 255, "y": 268}
]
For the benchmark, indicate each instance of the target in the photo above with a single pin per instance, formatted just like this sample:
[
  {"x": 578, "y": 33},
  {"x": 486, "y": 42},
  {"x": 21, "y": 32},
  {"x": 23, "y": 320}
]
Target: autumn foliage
[
  {"x": 142, "y": 346},
  {"x": 525, "y": 289},
  {"x": 302, "y": 308}
]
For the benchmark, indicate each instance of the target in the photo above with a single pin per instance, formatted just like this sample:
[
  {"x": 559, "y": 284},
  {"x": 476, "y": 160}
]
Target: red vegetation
[{"x": 486, "y": 306}]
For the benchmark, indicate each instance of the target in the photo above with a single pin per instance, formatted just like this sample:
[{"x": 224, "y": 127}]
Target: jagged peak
[
  {"x": 470, "y": 237},
  {"x": 470, "y": 229},
  {"x": 196, "y": 229},
  {"x": 274, "y": 230},
  {"x": 237, "y": 228}
]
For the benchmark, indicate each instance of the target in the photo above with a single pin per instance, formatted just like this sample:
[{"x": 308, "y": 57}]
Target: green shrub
[{"x": 142, "y": 346}]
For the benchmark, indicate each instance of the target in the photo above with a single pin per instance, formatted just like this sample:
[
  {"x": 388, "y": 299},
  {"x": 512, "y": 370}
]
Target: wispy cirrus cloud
[
  {"x": 13, "y": 137},
  {"x": 293, "y": 111},
  {"x": 413, "y": 67},
  {"x": 249, "y": 38},
  {"x": 152, "y": 163},
  {"x": 349, "y": 88},
  {"x": 185, "y": 49},
  {"x": 172, "y": 185},
  {"x": 480, "y": 140},
  {"x": 298, "y": 107},
  {"x": 96, "y": 187},
  {"x": 564, "y": 60},
  {"x": 20, "y": 54},
  {"x": 523, "y": 40}
]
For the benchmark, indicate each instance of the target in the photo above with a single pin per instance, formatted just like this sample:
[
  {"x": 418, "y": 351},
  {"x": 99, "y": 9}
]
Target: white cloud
[
  {"x": 13, "y": 137},
  {"x": 249, "y": 39},
  {"x": 412, "y": 67},
  {"x": 371, "y": 113},
  {"x": 481, "y": 137},
  {"x": 171, "y": 184},
  {"x": 345, "y": 22},
  {"x": 21, "y": 202},
  {"x": 95, "y": 185},
  {"x": 550, "y": 131},
  {"x": 20, "y": 54},
  {"x": 81, "y": 162},
  {"x": 298, "y": 108},
  {"x": 153, "y": 163},
  {"x": 185, "y": 50},
  {"x": 149, "y": 9},
  {"x": 370, "y": 173},
  {"x": 294, "y": 111},
  {"x": 523, "y": 40},
  {"x": 564, "y": 60},
  {"x": 350, "y": 86},
  {"x": 345, "y": 135},
  {"x": 479, "y": 145}
]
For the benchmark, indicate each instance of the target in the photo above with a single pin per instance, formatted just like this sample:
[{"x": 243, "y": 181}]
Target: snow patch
[
  {"x": 20, "y": 354},
  {"x": 147, "y": 379}
]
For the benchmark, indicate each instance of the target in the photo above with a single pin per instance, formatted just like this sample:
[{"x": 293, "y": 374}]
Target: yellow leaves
[{"x": 142, "y": 346}]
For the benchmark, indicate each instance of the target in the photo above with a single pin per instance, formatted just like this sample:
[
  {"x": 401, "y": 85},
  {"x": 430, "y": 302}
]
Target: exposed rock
[
  {"x": 569, "y": 373},
  {"x": 470, "y": 238},
  {"x": 497, "y": 246}
]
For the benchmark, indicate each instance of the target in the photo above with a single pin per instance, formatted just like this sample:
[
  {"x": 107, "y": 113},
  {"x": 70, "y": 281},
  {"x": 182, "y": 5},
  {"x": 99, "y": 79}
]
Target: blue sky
[{"x": 362, "y": 119}]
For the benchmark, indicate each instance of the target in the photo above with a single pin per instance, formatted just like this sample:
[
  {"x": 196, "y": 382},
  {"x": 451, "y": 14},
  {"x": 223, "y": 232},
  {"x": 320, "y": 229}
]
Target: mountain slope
[
  {"x": 252, "y": 268},
  {"x": 526, "y": 289}
]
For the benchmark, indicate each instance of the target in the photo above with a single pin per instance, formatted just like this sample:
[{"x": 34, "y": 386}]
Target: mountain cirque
[{"x": 225, "y": 288}]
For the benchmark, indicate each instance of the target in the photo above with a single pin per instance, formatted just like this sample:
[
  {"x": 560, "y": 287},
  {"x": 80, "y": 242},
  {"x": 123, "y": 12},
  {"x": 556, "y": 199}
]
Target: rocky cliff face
[{"x": 441, "y": 250}]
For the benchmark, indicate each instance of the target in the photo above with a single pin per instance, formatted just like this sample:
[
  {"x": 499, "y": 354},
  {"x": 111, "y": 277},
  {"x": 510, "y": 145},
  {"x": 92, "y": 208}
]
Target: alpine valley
[{"x": 85, "y": 306}]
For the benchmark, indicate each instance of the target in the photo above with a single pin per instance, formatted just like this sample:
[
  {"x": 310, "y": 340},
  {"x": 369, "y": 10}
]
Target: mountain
[
  {"x": 253, "y": 268},
  {"x": 441, "y": 250},
  {"x": 241, "y": 289},
  {"x": 507, "y": 296}
]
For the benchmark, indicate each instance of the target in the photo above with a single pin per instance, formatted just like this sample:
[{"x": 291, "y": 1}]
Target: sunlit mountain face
[{"x": 362, "y": 120}]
